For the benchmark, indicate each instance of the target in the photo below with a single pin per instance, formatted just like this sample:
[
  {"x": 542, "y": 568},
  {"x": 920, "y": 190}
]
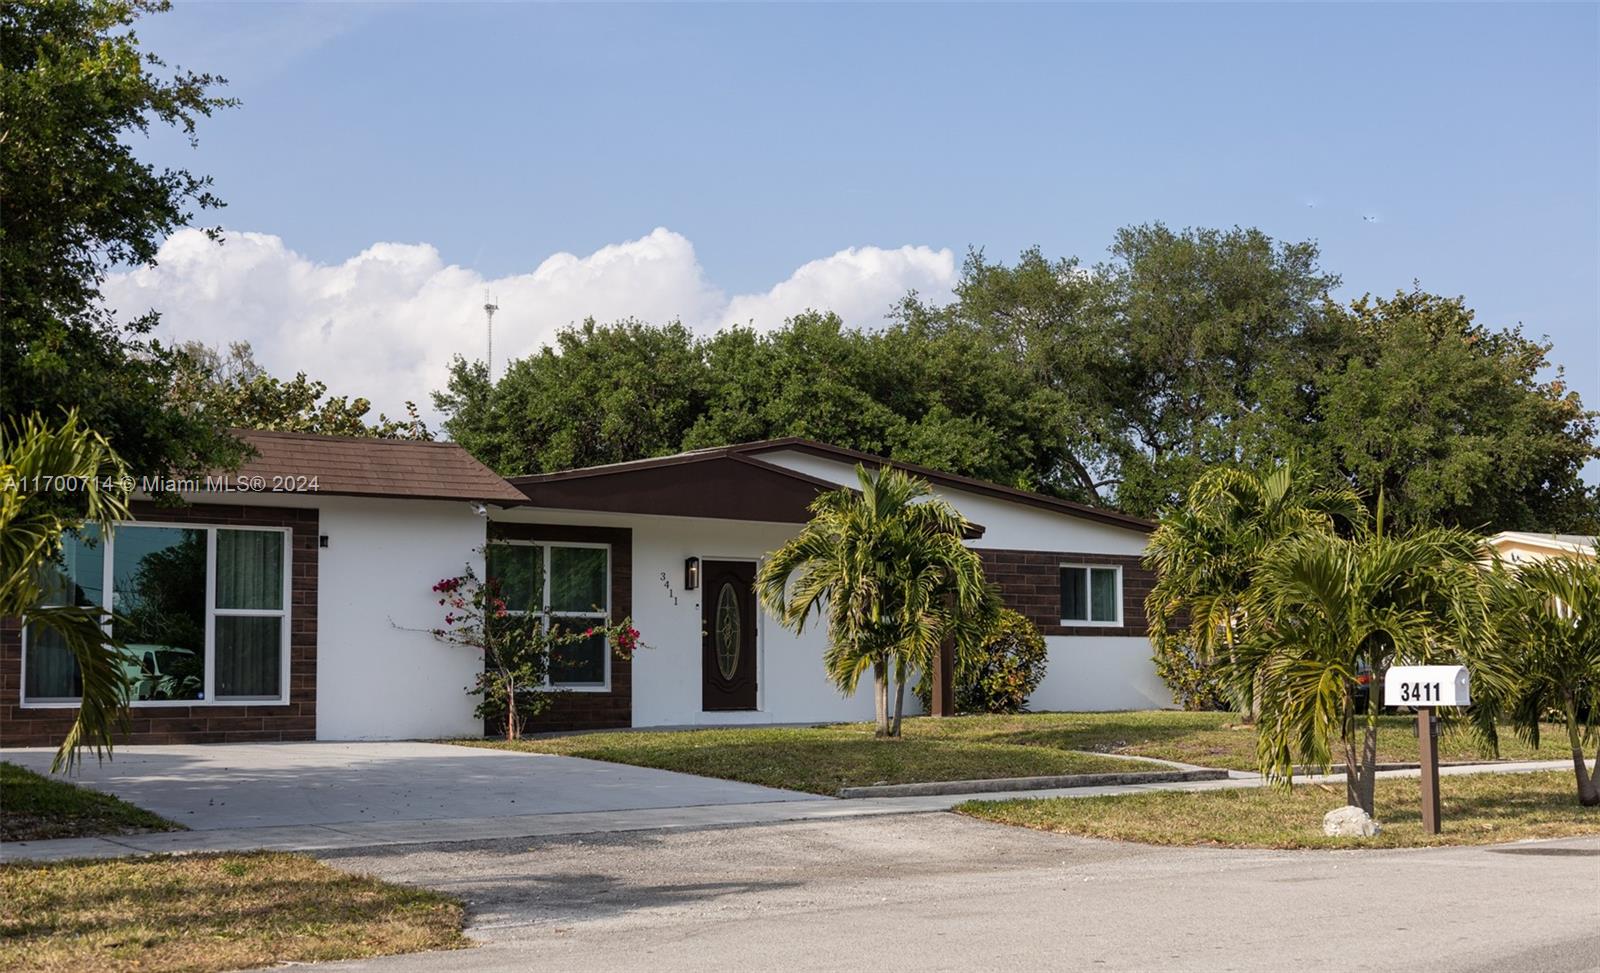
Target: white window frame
[
  {"x": 546, "y": 613},
  {"x": 1088, "y": 594},
  {"x": 107, "y": 594}
]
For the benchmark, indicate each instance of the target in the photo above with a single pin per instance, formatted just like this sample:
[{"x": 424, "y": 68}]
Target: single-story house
[
  {"x": 1519, "y": 547},
  {"x": 292, "y": 600}
]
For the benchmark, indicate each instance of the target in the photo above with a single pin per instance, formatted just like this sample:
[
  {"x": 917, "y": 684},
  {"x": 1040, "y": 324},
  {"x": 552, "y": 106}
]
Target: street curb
[{"x": 936, "y": 788}]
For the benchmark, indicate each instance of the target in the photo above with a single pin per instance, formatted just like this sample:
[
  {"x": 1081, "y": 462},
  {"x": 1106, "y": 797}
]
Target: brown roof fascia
[
  {"x": 955, "y": 480},
  {"x": 727, "y": 453}
]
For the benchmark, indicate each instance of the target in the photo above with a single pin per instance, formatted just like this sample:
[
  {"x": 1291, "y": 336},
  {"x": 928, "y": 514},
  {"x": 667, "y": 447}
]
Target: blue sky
[{"x": 486, "y": 138}]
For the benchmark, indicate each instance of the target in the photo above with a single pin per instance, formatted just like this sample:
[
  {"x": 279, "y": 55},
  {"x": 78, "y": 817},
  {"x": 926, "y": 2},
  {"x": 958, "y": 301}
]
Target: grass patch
[
  {"x": 35, "y": 808},
  {"x": 1211, "y": 739},
  {"x": 1477, "y": 809},
  {"x": 200, "y": 913},
  {"x": 823, "y": 759}
]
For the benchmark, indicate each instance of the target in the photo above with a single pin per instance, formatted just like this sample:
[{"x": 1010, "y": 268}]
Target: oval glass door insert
[{"x": 728, "y": 631}]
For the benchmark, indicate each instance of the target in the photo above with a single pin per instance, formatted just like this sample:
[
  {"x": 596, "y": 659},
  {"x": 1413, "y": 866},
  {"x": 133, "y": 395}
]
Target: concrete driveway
[{"x": 267, "y": 785}]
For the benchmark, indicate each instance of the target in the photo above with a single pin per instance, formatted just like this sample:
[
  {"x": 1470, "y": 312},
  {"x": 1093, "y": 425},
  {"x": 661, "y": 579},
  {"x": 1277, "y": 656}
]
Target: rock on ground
[{"x": 1349, "y": 822}]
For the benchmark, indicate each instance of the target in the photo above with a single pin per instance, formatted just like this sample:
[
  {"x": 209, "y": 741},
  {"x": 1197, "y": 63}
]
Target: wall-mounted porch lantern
[{"x": 691, "y": 574}]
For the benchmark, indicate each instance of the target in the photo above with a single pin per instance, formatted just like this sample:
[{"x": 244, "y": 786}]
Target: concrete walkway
[{"x": 402, "y": 804}]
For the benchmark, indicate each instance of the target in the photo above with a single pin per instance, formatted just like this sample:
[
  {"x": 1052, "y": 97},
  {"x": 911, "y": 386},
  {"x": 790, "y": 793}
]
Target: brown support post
[
  {"x": 944, "y": 680},
  {"x": 1428, "y": 743}
]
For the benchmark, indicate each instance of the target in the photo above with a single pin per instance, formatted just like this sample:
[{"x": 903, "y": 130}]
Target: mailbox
[{"x": 1427, "y": 686}]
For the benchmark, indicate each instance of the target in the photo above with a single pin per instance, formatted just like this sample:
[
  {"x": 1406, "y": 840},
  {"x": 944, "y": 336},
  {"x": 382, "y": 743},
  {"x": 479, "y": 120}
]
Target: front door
[{"x": 728, "y": 635}]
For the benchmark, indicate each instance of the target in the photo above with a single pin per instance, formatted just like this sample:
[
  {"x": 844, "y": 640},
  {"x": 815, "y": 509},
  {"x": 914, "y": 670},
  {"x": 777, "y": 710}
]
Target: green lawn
[
  {"x": 1207, "y": 739},
  {"x": 823, "y": 759},
  {"x": 34, "y": 808},
  {"x": 202, "y": 913},
  {"x": 1477, "y": 809}
]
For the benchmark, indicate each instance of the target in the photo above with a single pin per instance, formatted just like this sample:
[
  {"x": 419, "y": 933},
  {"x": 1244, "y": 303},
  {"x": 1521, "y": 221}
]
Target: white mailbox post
[{"x": 1427, "y": 688}]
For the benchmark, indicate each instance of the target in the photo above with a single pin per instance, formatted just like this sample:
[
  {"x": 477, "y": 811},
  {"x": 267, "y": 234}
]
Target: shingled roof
[{"x": 369, "y": 467}]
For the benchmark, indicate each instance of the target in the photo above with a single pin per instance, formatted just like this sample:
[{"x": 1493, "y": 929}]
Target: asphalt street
[{"x": 941, "y": 892}]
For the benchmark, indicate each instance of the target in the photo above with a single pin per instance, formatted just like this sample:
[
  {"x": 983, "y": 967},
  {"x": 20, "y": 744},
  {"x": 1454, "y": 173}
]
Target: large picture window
[
  {"x": 567, "y": 585},
  {"x": 1091, "y": 595},
  {"x": 202, "y": 613}
]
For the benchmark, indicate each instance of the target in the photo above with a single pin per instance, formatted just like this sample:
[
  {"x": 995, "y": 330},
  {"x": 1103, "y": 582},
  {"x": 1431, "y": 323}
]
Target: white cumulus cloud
[
  {"x": 386, "y": 322},
  {"x": 859, "y": 284}
]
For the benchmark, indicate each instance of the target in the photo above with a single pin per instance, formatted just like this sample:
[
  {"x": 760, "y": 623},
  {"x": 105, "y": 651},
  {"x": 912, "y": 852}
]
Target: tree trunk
[
  {"x": 899, "y": 696},
  {"x": 1369, "y": 766},
  {"x": 880, "y": 696},
  {"x": 1352, "y": 775},
  {"x": 1588, "y": 784},
  {"x": 511, "y": 709}
]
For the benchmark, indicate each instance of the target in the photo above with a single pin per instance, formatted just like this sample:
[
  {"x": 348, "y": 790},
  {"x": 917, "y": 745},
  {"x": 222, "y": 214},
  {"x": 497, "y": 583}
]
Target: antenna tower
[{"x": 489, "y": 307}]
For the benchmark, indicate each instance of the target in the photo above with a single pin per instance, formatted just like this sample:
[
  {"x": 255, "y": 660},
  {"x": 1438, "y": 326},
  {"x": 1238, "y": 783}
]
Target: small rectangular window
[{"x": 1091, "y": 594}]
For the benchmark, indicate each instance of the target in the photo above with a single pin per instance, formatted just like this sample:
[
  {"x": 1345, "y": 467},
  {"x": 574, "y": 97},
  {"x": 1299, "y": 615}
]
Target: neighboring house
[
  {"x": 672, "y": 542},
  {"x": 1520, "y": 548}
]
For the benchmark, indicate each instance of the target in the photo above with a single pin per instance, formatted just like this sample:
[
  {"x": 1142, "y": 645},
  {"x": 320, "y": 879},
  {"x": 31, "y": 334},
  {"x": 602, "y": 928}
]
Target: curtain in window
[
  {"x": 79, "y": 580},
  {"x": 52, "y": 671},
  {"x": 249, "y": 569},
  {"x": 520, "y": 570},
  {"x": 249, "y": 648},
  {"x": 580, "y": 663},
  {"x": 1103, "y": 594},
  {"x": 249, "y": 655},
  {"x": 577, "y": 579},
  {"x": 1074, "y": 597}
]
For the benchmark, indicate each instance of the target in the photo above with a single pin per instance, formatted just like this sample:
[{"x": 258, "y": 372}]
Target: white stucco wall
[
  {"x": 1085, "y": 672},
  {"x": 375, "y": 679},
  {"x": 791, "y": 686}
]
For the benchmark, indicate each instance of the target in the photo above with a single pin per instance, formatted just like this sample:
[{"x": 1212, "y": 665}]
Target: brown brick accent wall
[
  {"x": 197, "y": 722},
  {"x": 585, "y": 710},
  {"x": 1030, "y": 583}
]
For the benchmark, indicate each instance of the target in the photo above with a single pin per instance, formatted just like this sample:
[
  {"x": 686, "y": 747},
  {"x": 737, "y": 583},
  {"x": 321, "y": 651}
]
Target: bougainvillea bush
[{"x": 516, "y": 647}]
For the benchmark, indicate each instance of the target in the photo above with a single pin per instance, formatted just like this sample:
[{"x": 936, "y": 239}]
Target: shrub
[
  {"x": 1194, "y": 684},
  {"x": 1004, "y": 673}
]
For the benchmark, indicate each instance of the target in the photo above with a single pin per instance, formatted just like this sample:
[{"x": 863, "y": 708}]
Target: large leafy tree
[
  {"x": 1207, "y": 322},
  {"x": 230, "y": 390},
  {"x": 602, "y": 394},
  {"x": 886, "y": 565},
  {"x": 1331, "y": 608},
  {"x": 1207, "y": 555},
  {"x": 1450, "y": 420},
  {"x": 1546, "y": 657},
  {"x": 33, "y": 522},
  {"x": 75, "y": 201}
]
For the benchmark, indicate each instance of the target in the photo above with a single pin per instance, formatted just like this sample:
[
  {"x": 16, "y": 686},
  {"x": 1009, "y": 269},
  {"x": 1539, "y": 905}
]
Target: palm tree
[
  {"x": 1328, "y": 609},
  {"x": 1547, "y": 656},
  {"x": 887, "y": 565},
  {"x": 33, "y": 519},
  {"x": 1205, "y": 555}
]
